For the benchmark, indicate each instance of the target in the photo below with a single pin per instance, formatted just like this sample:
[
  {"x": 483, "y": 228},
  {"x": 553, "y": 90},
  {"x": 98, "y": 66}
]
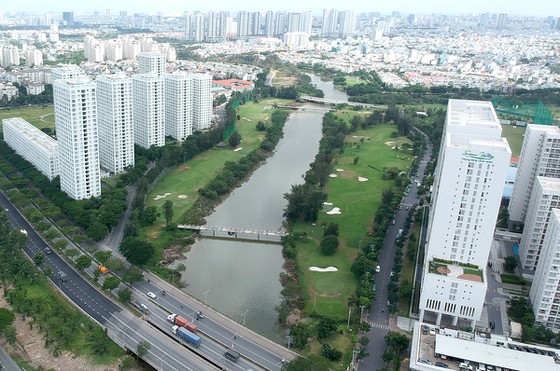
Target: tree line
[{"x": 24, "y": 99}]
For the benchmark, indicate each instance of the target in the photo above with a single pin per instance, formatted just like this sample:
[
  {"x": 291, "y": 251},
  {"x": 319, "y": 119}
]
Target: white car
[
  {"x": 378, "y": 269},
  {"x": 151, "y": 295}
]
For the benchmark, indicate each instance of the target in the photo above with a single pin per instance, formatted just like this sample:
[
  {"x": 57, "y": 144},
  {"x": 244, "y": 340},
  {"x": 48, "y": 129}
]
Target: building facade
[
  {"x": 545, "y": 290},
  {"x": 149, "y": 62},
  {"x": 202, "y": 101},
  {"x": 32, "y": 144},
  {"x": 70, "y": 71},
  {"x": 115, "y": 117},
  {"x": 148, "y": 105},
  {"x": 469, "y": 181},
  {"x": 75, "y": 112},
  {"x": 540, "y": 156},
  {"x": 179, "y": 105}
]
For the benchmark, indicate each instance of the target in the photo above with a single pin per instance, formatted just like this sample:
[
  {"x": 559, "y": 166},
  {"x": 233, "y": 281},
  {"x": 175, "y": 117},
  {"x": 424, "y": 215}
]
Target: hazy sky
[{"x": 514, "y": 7}]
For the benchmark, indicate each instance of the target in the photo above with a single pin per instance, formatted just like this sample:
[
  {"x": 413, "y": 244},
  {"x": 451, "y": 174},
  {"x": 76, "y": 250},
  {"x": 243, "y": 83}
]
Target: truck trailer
[
  {"x": 182, "y": 322},
  {"x": 187, "y": 336}
]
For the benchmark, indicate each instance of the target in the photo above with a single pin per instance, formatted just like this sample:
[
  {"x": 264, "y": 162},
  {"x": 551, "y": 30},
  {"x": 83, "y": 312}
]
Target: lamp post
[{"x": 206, "y": 296}]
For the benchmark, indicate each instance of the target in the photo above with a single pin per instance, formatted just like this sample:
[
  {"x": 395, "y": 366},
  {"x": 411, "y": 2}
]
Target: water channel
[{"x": 241, "y": 279}]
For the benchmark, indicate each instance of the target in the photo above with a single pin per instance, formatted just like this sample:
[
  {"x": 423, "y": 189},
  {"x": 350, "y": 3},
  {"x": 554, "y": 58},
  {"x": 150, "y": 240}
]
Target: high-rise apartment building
[
  {"x": 280, "y": 23},
  {"x": 148, "y": 107},
  {"x": 70, "y": 71},
  {"x": 242, "y": 24},
  {"x": 178, "y": 105},
  {"x": 269, "y": 24},
  {"x": 469, "y": 181},
  {"x": 189, "y": 26},
  {"x": 545, "y": 289},
  {"x": 75, "y": 112},
  {"x": 216, "y": 24},
  {"x": 198, "y": 28},
  {"x": 540, "y": 156},
  {"x": 328, "y": 28},
  {"x": 149, "y": 62},
  {"x": 114, "y": 115},
  {"x": 32, "y": 144},
  {"x": 256, "y": 23},
  {"x": 347, "y": 23},
  {"x": 202, "y": 101}
]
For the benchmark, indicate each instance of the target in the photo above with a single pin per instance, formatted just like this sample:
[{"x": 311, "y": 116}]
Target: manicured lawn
[
  {"x": 358, "y": 202},
  {"x": 351, "y": 81},
  {"x": 41, "y": 117},
  {"x": 514, "y": 135},
  {"x": 186, "y": 179}
]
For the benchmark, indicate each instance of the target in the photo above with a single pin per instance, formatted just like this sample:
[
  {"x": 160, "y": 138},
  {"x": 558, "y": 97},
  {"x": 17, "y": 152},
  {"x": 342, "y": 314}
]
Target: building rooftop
[
  {"x": 470, "y": 112},
  {"x": 549, "y": 184},
  {"x": 482, "y": 143},
  {"x": 235, "y": 84},
  {"x": 460, "y": 271},
  {"x": 42, "y": 139}
]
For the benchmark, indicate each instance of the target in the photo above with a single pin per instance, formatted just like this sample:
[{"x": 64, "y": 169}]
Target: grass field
[
  {"x": 185, "y": 180},
  {"x": 328, "y": 292},
  {"x": 351, "y": 81},
  {"x": 514, "y": 135},
  {"x": 41, "y": 117},
  {"x": 283, "y": 78}
]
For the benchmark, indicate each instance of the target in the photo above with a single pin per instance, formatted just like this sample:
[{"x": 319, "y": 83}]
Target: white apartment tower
[
  {"x": 70, "y": 71},
  {"x": 202, "y": 101},
  {"x": 545, "y": 290},
  {"x": 75, "y": 113},
  {"x": 32, "y": 144},
  {"x": 148, "y": 107},
  {"x": 544, "y": 198},
  {"x": 347, "y": 23},
  {"x": 328, "y": 28},
  {"x": 469, "y": 181},
  {"x": 178, "y": 105},
  {"x": 149, "y": 62},
  {"x": 540, "y": 156},
  {"x": 114, "y": 114}
]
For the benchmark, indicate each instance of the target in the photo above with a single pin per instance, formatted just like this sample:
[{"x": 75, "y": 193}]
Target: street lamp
[{"x": 206, "y": 296}]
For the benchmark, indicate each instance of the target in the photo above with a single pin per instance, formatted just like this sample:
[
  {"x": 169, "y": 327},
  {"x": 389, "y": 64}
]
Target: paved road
[
  {"x": 6, "y": 362},
  {"x": 123, "y": 327},
  {"x": 378, "y": 315}
]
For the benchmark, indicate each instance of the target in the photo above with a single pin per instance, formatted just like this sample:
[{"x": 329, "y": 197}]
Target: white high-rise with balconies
[
  {"x": 202, "y": 101},
  {"x": 32, "y": 144},
  {"x": 114, "y": 114},
  {"x": 540, "y": 156},
  {"x": 178, "y": 105},
  {"x": 148, "y": 107},
  {"x": 75, "y": 115},
  {"x": 69, "y": 71},
  {"x": 150, "y": 62},
  {"x": 469, "y": 181}
]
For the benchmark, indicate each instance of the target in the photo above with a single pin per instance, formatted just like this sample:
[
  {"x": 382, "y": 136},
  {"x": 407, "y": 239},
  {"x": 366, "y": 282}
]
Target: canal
[{"x": 241, "y": 279}]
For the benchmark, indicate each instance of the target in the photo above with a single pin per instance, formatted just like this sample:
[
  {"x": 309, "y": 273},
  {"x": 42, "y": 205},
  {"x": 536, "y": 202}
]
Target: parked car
[
  {"x": 378, "y": 269},
  {"x": 425, "y": 361},
  {"x": 441, "y": 364},
  {"x": 425, "y": 330}
]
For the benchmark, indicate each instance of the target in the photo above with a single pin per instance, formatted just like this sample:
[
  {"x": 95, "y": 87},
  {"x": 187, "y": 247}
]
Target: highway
[
  {"x": 378, "y": 315},
  {"x": 217, "y": 332}
]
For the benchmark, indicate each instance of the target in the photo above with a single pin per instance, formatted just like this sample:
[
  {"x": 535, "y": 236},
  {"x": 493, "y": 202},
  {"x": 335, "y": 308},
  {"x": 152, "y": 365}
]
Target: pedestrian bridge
[
  {"x": 334, "y": 102},
  {"x": 236, "y": 233}
]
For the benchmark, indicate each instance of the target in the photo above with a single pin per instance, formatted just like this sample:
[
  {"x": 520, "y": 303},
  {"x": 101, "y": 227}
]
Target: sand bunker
[
  {"x": 333, "y": 175},
  {"x": 390, "y": 143},
  {"x": 339, "y": 170},
  {"x": 182, "y": 197},
  {"x": 238, "y": 149},
  {"x": 334, "y": 211},
  {"x": 159, "y": 197},
  {"x": 327, "y": 203},
  {"x": 362, "y": 179},
  {"x": 327, "y": 269}
]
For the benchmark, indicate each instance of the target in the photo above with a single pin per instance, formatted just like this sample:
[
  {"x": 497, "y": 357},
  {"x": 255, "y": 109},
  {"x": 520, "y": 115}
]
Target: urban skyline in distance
[{"x": 540, "y": 8}]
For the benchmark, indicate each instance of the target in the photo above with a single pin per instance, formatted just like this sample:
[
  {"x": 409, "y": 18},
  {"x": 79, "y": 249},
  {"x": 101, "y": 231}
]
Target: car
[
  {"x": 378, "y": 269},
  {"x": 23, "y": 231},
  {"x": 425, "y": 361},
  {"x": 392, "y": 273},
  {"x": 144, "y": 307},
  {"x": 151, "y": 294},
  {"x": 441, "y": 364},
  {"x": 47, "y": 250},
  {"x": 400, "y": 207},
  {"x": 199, "y": 315},
  {"x": 393, "y": 222},
  {"x": 406, "y": 208},
  {"x": 432, "y": 331},
  {"x": 425, "y": 330}
]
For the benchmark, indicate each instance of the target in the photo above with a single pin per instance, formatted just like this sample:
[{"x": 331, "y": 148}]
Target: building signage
[{"x": 478, "y": 157}]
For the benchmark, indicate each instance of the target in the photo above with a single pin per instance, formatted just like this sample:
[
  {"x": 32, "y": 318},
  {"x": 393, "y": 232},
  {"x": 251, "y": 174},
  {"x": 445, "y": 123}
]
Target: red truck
[{"x": 180, "y": 321}]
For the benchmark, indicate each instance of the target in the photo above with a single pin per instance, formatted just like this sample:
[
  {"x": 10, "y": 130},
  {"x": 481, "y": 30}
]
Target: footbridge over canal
[
  {"x": 237, "y": 233},
  {"x": 334, "y": 102}
]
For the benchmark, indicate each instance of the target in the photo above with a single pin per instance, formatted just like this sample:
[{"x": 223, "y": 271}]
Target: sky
[{"x": 513, "y": 7}]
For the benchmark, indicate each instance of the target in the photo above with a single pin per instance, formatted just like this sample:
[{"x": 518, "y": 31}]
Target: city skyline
[{"x": 538, "y": 8}]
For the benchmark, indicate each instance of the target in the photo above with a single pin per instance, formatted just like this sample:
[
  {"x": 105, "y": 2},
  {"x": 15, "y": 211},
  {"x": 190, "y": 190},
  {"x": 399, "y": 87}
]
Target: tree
[
  {"x": 332, "y": 229},
  {"x": 134, "y": 274},
  {"x": 38, "y": 258},
  {"x": 309, "y": 363},
  {"x": 125, "y": 295},
  {"x": 149, "y": 215},
  {"x": 136, "y": 250},
  {"x": 6, "y": 318},
  {"x": 325, "y": 328},
  {"x": 111, "y": 283},
  {"x": 331, "y": 353},
  {"x": 510, "y": 263},
  {"x": 234, "y": 139},
  {"x": 83, "y": 262},
  {"x": 299, "y": 333},
  {"x": 329, "y": 244},
  {"x": 143, "y": 348},
  {"x": 168, "y": 211},
  {"x": 397, "y": 342},
  {"x": 102, "y": 256}
]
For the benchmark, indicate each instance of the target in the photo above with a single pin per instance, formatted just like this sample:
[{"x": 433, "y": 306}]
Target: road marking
[{"x": 379, "y": 325}]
